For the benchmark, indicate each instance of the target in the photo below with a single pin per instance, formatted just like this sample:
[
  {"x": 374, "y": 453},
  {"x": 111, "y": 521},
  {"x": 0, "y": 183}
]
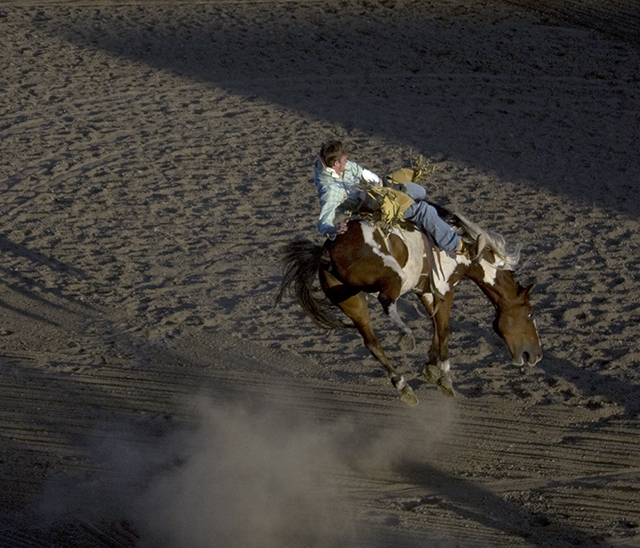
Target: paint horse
[{"x": 364, "y": 260}]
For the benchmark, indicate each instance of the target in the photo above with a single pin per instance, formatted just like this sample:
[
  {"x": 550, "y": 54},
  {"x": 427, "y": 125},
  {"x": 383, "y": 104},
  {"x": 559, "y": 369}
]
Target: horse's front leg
[{"x": 438, "y": 368}]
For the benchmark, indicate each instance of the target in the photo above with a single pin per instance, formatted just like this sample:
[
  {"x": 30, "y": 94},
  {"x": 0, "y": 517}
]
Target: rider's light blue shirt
[{"x": 338, "y": 193}]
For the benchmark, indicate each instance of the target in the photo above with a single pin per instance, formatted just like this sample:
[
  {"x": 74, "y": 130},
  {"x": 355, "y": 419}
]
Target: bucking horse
[{"x": 369, "y": 260}]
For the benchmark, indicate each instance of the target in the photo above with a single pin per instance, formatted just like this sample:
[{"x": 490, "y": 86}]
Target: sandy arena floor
[{"x": 157, "y": 156}]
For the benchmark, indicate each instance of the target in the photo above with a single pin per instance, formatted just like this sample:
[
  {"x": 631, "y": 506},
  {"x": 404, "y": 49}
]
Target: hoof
[
  {"x": 446, "y": 386},
  {"x": 406, "y": 393},
  {"x": 432, "y": 373},
  {"x": 407, "y": 343},
  {"x": 407, "y": 396}
]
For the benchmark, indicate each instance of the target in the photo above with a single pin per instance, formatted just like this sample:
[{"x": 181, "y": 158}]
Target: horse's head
[{"x": 514, "y": 322}]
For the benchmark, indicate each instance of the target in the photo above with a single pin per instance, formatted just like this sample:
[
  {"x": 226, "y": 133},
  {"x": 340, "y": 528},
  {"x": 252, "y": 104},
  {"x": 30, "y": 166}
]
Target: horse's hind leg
[
  {"x": 355, "y": 307},
  {"x": 359, "y": 313}
]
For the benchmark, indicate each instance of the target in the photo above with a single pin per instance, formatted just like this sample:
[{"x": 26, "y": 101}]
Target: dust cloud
[
  {"x": 249, "y": 480},
  {"x": 254, "y": 476},
  {"x": 275, "y": 478}
]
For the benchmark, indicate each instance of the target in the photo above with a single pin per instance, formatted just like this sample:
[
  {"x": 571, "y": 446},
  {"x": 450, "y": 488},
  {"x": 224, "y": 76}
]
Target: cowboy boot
[{"x": 474, "y": 249}]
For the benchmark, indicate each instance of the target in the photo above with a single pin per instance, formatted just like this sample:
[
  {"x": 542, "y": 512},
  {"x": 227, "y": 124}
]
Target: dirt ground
[{"x": 155, "y": 159}]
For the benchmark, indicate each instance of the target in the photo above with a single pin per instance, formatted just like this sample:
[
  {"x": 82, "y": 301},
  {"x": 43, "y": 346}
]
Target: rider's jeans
[{"x": 426, "y": 218}]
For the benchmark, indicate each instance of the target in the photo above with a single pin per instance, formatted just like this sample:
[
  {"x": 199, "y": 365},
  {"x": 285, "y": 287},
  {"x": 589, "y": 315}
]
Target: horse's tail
[{"x": 302, "y": 262}]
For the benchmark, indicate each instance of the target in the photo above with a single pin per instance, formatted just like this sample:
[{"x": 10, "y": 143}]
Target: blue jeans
[
  {"x": 426, "y": 218},
  {"x": 416, "y": 192}
]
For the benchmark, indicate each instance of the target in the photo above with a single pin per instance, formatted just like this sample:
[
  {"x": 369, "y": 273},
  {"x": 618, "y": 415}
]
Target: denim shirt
[{"x": 338, "y": 193}]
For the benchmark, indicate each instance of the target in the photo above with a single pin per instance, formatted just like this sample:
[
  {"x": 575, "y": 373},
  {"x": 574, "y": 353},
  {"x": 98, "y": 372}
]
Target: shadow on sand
[{"x": 521, "y": 101}]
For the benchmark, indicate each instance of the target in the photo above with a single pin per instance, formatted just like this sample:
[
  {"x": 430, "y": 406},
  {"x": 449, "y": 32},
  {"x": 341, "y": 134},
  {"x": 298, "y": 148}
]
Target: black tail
[{"x": 302, "y": 261}]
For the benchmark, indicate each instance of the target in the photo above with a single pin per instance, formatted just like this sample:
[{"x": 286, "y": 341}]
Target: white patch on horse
[
  {"x": 490, "y": 271},
  {"x": 387, "y": 260},
  {"x": 446, "y": 265}
]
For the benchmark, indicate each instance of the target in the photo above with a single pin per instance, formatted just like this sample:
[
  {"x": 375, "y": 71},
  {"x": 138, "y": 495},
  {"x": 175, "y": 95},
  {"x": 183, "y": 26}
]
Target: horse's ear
[{"x": 527, "y": 290}]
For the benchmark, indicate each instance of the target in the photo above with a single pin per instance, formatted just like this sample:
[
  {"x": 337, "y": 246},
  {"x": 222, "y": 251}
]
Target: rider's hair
[{"x": 332, "y": 152}]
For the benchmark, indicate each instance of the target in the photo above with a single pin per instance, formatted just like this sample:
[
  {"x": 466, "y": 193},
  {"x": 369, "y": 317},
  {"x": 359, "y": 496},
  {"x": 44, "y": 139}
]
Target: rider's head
[{"x": 332, "y": 152}]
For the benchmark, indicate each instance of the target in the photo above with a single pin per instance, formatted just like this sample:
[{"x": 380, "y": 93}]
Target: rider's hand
[{"x": 340, "y": 228}]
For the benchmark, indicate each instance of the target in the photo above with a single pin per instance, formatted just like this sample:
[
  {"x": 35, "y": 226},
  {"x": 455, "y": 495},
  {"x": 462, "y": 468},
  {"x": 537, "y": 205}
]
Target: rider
[{"x": 338, "y": 182}]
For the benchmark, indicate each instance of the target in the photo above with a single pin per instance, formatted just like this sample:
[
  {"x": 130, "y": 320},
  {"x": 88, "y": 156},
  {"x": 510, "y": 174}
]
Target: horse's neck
[{"x": 498, "y": 285}]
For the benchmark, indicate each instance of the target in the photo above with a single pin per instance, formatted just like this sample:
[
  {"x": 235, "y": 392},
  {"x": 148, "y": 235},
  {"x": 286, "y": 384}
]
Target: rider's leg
[
  {"x": 415, "y": 191},
  {"x": 426, "y": 218}
]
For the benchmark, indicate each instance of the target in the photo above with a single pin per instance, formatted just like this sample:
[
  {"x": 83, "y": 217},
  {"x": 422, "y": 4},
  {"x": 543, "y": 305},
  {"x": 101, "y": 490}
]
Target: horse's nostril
[{"x": 525, "y": 357}]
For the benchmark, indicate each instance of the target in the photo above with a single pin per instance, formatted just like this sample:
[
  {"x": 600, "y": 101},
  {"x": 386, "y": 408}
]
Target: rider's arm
[
  {"x": 331, "y": 196},
  {"x": 356, "y": 173}
]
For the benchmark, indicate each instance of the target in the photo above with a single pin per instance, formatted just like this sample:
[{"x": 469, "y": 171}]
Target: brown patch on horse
[
  {"x": 355, "y": 263},
  {"x": 392, "y": 245},
  {"x": 335, "y": 290}
]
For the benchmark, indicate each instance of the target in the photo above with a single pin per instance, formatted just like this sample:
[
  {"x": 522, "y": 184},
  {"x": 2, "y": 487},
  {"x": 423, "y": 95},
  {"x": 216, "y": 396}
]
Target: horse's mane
[{"x": 506, "y": 259}]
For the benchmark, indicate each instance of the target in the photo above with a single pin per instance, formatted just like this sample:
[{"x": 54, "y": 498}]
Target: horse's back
[{"x": 364, "y": 256}]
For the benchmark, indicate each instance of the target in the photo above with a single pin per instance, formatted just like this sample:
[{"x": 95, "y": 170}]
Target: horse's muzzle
[{"x": 529, "y": 356}]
